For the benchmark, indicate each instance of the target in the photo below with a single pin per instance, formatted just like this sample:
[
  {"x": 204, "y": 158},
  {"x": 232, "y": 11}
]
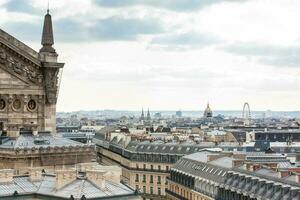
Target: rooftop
[
  {"x": 42, "y": 140},
  {"x": 66, "y": 183}
]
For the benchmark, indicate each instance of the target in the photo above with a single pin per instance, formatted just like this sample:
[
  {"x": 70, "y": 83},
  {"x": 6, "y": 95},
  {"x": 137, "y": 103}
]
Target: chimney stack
[
  {"x": 6, "y": 175},
  {"x": 96, "y": 177},
  {"x": 64, "y": 177}
]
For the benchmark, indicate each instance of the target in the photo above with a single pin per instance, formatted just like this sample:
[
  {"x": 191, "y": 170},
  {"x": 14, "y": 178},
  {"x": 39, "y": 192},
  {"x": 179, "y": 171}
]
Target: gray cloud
[
  {"x": 22, "y": 6},
  {"x": 288, "y": 56},
  {"x": 184, "y": 41},
  {"x": 117, "y": 28},
  {"x": 175, "y": 5},
  {"x": 113, "y": 28}
]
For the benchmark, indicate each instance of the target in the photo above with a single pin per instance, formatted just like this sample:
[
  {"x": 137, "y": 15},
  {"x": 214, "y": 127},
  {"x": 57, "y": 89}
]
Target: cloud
[
  {"x": 175, "y": 5},
  {"x": 184, "y": 41},
  {"x": 117, "y": 28},
  {"x": 22, "y": 6},
  {"x": 108, "y": 29},
  {"x": 286, "y": 56}
]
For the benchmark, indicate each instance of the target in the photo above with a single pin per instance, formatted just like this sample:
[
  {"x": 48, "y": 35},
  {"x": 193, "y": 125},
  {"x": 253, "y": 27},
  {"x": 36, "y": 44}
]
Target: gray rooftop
[
  {"x": 44, "y": 140},
  {"x": 77, "y": 188}
]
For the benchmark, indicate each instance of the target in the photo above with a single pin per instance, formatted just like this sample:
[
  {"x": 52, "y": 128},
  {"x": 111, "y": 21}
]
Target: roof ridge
[{"x": 18, "y": 44}]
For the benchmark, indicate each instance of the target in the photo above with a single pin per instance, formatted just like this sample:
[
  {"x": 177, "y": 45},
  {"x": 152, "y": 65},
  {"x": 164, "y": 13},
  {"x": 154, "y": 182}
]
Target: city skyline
[{"x": 133, "y": 54}]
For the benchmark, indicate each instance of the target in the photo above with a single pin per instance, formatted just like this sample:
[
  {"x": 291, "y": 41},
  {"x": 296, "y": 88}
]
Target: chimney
[
  {"x": 282, "y": 174},
  {"x": 35, "y": 174},
  {"x": 297, "y": 177},
  {"x": 214, "y": 157},
  {"x": 236, "y": 163},
  {"x": 64, "y": 177},
  {"x": 97, "y": 177},
  {"x": 113, "y": 173},
  {"x": 6, "y": 175}
]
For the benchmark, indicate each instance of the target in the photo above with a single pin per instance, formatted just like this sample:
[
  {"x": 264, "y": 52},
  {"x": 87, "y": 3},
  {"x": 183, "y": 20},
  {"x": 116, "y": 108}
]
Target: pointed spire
[
  {"x": 142, "y": 115},
  {"x": 148, "y": 115},
  {"x": 47, "y": 36}
]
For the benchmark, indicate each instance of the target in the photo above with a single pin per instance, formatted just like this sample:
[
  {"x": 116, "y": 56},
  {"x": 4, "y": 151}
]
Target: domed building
[{"x": 207, "y": 113}]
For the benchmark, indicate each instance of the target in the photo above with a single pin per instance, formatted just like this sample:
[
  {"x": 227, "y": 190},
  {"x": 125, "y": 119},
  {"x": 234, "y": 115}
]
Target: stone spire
[
  {"x": 47, "y": 37},
  {"x": 148, "y": 115},
  {"x": 142, "y": 115}
]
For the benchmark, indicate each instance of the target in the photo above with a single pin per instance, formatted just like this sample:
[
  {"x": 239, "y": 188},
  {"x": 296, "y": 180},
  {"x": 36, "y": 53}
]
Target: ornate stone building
[{"x": 29, "y": 83}]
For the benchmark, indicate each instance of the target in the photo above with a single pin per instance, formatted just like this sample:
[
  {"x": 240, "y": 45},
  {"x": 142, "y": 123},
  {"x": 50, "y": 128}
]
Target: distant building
[
  {"x": 208, "y": 112},
  {"x": 275, "y": 136},
  {"x": 148, "y": 115},
  {"x": 178, "y": 113},
  {"x": 142, "y": 115},
  {"x": 157, "y": 115}
]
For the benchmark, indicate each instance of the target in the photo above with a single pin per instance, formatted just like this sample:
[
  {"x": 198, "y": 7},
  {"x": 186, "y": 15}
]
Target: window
[
  {"x": 151, "y": 190},
  {"x": 136, "y": 178},
  {"x": 137, "y": 166},
  {"x": 159, "y": 168},
  {"x": 158, "y": 191},
  {"x": 137, "y": 187},
  {"x": 151, "y": 167},
  {"x": 158, "y": 179},
  {"x": 144, "y": 166},
  {"x": 144, "y": 189},
  {"x": 151, "y": 178},
  {"x": 144, "y": 178},
  {"x": 167, "y": 168}
]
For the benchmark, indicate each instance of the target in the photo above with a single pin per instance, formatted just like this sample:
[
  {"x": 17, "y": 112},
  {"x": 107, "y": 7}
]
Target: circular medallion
[
  {"x": 17, "y": 104},
  {"x": 2, "y": 104},
  {"x": 31, "y": 105}
]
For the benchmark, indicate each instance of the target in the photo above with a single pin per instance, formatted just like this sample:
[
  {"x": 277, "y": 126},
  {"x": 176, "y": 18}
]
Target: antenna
[{"x": 48, "y": 7}]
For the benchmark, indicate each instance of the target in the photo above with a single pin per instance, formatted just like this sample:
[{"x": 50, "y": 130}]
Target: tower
[
  {"x": 148, "y": 115},
  {"x": 142, "y": 115},
  {"x": 51, "y": 69}
]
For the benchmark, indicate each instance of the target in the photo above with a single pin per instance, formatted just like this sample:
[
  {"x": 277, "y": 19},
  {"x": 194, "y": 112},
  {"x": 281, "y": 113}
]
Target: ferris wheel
[{"x": 246, "y": 113}]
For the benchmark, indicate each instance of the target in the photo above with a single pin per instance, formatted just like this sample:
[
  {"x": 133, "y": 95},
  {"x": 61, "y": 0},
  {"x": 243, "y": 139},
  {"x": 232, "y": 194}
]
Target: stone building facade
[
  {"x": 145, "y": 165},
  {"x": 29, "y": 84}
]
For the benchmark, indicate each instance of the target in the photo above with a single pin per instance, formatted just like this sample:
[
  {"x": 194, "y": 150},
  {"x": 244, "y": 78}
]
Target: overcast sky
[{"x": 168, "y": 54}]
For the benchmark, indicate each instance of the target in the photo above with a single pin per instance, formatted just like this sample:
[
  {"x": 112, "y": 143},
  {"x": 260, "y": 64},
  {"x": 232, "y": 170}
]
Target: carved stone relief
[
  {"x": 31, "y": 105},
  {"x": 20, "y": 67},
  {"x": 51, "y": 80}
]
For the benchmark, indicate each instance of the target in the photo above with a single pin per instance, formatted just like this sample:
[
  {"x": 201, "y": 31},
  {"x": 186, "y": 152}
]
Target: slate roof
[
  {"x": 197, "y": 165},
  {"x": 166, "y": 148}
]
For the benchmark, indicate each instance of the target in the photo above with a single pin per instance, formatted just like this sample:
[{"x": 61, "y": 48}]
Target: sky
[{"x": 170, "y": 54}]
